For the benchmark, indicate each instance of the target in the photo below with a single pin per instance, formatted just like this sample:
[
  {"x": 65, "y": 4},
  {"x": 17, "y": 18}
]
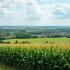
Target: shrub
[{"x": 1, "y": 41}]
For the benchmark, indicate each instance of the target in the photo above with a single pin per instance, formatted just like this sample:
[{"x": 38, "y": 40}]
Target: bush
[
  {"x": 16, "y": 42},
  {"x": 1, "y": 41},
  {"x": 8, "y": 42},
  {"x": 25, "y": 42}
]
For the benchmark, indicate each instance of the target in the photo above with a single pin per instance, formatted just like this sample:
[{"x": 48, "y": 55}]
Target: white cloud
[
  {"x": 61, "y": 11},
  {"x": 32, "y": 12}
]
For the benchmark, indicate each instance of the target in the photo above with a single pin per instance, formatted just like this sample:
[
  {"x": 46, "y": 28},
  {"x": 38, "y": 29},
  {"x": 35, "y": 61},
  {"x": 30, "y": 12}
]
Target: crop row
[{"x": 36, "y": 58}]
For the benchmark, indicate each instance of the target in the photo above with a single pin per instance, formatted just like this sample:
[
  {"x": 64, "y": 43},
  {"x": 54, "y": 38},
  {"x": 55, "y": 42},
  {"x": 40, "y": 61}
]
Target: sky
[{"x": 35, "y": 12}]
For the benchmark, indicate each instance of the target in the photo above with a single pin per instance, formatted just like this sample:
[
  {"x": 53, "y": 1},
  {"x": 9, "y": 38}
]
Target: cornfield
[{"x": 41, "y": 58}]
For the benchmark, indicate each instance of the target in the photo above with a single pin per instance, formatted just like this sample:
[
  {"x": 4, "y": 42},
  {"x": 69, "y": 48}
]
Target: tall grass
[{"x": 41, "y": 58}]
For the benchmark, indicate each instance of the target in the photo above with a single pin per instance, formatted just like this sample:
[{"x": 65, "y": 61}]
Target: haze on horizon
[{"x": 35, "y": 12}]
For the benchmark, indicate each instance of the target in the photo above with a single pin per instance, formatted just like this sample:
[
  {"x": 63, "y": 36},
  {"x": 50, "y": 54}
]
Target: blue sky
[{"x": 35, "y": 12}]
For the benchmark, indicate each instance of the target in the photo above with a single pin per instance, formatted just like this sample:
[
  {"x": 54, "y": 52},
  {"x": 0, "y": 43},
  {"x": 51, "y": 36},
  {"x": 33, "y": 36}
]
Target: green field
[
  {"x": 36, "y": 54},
  {"x": 41, "y": 40}
]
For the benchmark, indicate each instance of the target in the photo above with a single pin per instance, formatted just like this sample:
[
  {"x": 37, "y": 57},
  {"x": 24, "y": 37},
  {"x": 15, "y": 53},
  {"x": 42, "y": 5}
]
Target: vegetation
[
  {"x": 36, "y": 59},
  {"x": 35, "y": 48},
  {"x": 33, "y": 32},
  {"x": 5, "y": 67},
  {"x": 38, "y": 54},
  {"x": 39, "y": 40}
]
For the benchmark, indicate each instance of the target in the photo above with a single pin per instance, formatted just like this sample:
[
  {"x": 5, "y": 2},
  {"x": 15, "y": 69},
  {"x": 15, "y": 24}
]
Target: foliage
[{"x": 36, "y": 58}]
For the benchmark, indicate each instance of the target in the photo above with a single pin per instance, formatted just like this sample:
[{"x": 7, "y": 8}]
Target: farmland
[
  {"x": 34, "y": 48},
  {"x": 36, "y": 53}
]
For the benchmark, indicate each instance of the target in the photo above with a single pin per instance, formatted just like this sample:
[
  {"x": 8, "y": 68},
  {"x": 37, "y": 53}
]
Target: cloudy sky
[{"x": 35, "y": 12}]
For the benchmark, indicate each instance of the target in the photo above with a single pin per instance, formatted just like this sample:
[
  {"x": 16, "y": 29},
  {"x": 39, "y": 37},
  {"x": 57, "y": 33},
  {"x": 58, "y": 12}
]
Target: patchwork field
[{"x": 36, "y": 53}]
